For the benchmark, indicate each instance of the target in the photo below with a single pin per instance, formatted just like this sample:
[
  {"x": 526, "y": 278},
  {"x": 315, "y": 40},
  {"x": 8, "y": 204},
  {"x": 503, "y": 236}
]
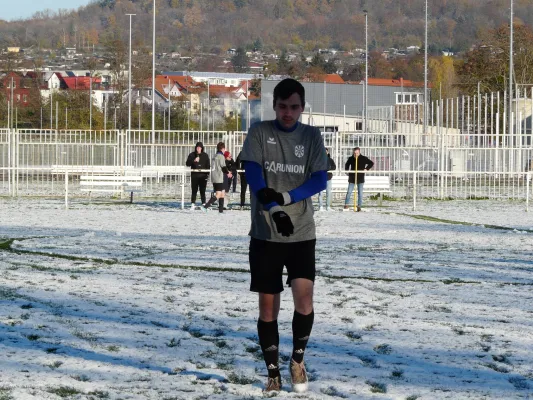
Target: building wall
[{"x": 338, "y": 99}]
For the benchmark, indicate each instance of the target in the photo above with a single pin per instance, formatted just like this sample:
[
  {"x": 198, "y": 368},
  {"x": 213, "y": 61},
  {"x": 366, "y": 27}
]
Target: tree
[
  {"x": 489, "y": 64},
  {"x": 240, "y": 60}
]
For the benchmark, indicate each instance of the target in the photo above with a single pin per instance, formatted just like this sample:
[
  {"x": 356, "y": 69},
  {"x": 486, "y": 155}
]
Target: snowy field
[{"x": 146, "y": 301}]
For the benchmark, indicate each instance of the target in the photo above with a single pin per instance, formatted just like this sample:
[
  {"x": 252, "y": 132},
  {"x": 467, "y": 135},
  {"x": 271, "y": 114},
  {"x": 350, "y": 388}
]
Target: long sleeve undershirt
[{"x": 315, "y": 184}]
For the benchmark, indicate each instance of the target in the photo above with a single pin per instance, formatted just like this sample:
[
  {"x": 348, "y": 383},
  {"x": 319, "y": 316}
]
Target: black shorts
[
  {"x": 267, "y": 260},
  {"x": 218, "y": 187}
]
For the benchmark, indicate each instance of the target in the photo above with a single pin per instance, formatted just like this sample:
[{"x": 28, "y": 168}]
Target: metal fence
[{"x": 466, "y": 152}]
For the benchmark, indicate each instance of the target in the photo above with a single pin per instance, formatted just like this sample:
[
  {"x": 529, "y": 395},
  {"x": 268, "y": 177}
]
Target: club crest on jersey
[
  {"x": 271, "y": 140},
  {"x": 299, "y": 151}
]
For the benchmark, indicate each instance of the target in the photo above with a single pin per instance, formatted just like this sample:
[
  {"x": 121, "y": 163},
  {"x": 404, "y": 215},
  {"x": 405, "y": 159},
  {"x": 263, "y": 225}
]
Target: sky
[{"x": 10, "y": 10}]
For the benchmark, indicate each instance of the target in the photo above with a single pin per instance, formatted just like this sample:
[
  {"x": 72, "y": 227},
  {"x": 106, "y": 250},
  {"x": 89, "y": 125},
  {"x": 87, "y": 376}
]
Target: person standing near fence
[
  {"x": 285, "y": 164},
  {"x": 217, "y": 177},
  {"x": 331, "y": 167},
  {"x": 242, "y": 177},
  {"x": 198, "y": 160},
  {"x": 356, "y": 162}
]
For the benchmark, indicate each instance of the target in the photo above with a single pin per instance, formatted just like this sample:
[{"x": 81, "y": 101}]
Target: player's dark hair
[
  {"x": 356, "y": 148},
  {"x": 286, "y": 88},
  {"x": 220, "y": 146}
]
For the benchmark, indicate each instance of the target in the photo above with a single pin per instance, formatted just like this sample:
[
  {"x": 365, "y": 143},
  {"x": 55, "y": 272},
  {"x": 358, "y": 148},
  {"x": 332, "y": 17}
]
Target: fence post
[
  {"x": 66, "y": 189},
  {"x": 414, "y": 190},
  {"x": 183, "y": 177},
  {"x": 528, "y": 179}
]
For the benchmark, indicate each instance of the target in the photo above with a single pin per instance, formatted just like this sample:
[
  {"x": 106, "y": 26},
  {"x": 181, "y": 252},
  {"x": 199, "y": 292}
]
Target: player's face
[
  {"x": 198, "y": 149},
  {"x": 356, "y": 153},
  {"x": 288, "y": 111}
]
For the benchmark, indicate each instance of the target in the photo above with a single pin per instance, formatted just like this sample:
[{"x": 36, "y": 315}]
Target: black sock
[
  {"x": 210, "y": 202},
  {"x": 269, "y": 342},
  {"x": 301, "y": 330},
  {"x": 221, "y": 204}
]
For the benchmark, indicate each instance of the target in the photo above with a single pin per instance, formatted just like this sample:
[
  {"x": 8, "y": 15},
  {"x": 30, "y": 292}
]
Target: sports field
[{"x": 146, "y": 301}]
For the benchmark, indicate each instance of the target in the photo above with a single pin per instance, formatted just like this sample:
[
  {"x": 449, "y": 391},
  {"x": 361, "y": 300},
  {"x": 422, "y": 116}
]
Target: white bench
[
  {"x": 111, "y": 184},
  {"x": 373, "y": 184},
  {"x": 90, "y": 169}
]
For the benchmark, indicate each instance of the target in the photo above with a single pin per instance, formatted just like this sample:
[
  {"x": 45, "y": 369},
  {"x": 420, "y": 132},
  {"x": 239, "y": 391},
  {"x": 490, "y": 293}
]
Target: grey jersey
[
  {"x": 288, "y": 160},
  {"x": 219, "y": 162}
]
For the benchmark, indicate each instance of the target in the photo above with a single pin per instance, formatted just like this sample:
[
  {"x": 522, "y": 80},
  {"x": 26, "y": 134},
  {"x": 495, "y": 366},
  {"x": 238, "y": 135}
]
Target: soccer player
[
  {"x": 217, "y": 177},
  {"x": 285, "y": 164}
]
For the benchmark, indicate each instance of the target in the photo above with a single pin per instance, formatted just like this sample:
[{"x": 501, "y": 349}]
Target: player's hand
[
  {"x": 230, "y": 175},
  {"x": 268, "y": 195},
  {"x": 283, "y": 223}
]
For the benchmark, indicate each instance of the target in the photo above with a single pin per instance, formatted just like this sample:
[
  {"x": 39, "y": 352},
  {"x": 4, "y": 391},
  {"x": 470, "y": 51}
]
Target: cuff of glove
[
  {"x": 275, "y": 209},
  {"x": 286, "y": 198}
]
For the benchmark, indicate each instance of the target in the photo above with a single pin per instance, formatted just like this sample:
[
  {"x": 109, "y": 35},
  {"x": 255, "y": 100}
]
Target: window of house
[
  {"x": 18, "y": 98},
  {"x": 409, "y": 98},
  {"x": 25, "y": 98}
]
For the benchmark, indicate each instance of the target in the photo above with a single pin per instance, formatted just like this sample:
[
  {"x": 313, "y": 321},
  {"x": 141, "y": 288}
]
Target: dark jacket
[
  {"x": 203, "y": 163},
  {"x": 331, "y": 167},
  {"x": 239, "y": 164},
  {"x": 231, "y": 165},
  {"x": 362, "y": 164}
]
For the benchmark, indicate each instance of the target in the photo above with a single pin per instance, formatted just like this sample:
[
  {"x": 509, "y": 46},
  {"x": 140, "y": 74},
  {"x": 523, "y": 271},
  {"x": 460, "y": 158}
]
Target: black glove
[
  {"x": 283, "y": 223},
  {"x": 268, "y": 195}
]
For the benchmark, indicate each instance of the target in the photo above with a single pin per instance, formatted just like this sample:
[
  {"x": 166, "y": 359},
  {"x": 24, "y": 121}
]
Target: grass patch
[
  {"x": 459, "y": 331},
  {"x": 501, "y": 358},
  {"x": 412, "y": 397},
  {"x": 26, "y": 306},
  {"x": 442, "y": 309},
  {"x": 241, "y": 379},
  {"x": 33, "y": 338},
  {"x": 334, "y": 392},
  {"x": 368, "y": 362},
  {"x": 5, "y": 394},
  {"x": 81, "y": 378},
  {"x": 396, "y": 373},
  {"x": 497, "y": 368},
  {"x": 353, "y": 336},
  {"x": 113, "y": 348},
  {"x": 174, "y": 343},
  {"x": 55, "y": 365},
  {"x": 377, "y": 387},
  {"x": 64, "y": 391},
  {"x": 98, "y": 394},
  {"x": 383, "y": 349}
]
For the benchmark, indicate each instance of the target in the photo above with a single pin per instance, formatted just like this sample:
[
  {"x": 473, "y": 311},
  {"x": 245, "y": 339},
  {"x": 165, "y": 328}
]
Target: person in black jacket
[
  {"x": 356, "y": 162},
  {"x": 331, "y": 167},
  {"x": 242, "y": 176},
  {"x": 198, "y": 159}
]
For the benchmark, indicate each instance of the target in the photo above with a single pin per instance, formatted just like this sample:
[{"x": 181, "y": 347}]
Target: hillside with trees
[{"x": 215, "y": 26}]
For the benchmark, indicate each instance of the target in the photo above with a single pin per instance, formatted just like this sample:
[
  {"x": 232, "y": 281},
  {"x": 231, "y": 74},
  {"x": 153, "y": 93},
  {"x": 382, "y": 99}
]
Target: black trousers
[
  {"x": 244, "y": 183},
  {"x": 198, "y": 181}
]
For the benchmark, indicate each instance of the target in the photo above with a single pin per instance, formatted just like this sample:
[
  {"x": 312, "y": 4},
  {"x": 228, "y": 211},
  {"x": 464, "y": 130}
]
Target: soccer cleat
[
  {"x": 358, "y": 208},
  {"x": 193, "y": 207},
  {"x": 321, "y": 209},
  {"x": 273, "y": 385},
  {"x": 346, "y": 208},
  {"x": 203, "y": 208},
  {"x": 299, "y": 380}
]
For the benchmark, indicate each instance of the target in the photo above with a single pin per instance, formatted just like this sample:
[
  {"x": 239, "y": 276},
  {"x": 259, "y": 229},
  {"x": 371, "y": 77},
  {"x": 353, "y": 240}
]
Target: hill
[{"x": 214, "y": 26}]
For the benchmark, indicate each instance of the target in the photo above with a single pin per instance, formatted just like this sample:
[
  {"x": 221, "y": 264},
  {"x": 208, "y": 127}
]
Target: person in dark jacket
[
  {"x": 242, "y": 177},
  {"x": 198, "y": 159},
  {"x": 356, "y": 162},
  {"x": 231, "y": 165},
  {"x": 331, "y": 167}
]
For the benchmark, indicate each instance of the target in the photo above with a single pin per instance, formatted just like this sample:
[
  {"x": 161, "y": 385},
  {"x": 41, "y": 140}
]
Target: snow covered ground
[{"x": 146, "y": 301}]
